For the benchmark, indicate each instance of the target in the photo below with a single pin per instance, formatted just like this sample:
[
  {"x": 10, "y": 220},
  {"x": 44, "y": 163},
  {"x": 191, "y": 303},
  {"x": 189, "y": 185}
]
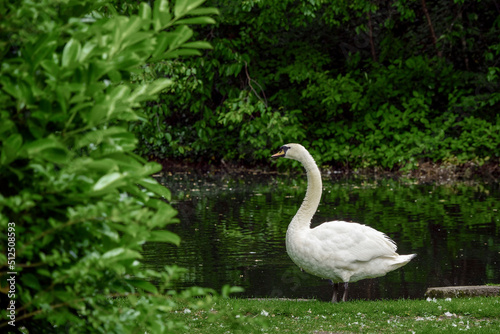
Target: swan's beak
[{"x": 280, "y": 154}]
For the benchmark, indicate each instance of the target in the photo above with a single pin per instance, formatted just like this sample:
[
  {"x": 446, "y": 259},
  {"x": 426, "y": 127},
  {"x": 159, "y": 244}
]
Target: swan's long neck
[{"x": 310, "y": 204}]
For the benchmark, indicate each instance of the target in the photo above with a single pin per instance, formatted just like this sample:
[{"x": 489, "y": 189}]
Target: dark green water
[{"x": 233, "y": 232}]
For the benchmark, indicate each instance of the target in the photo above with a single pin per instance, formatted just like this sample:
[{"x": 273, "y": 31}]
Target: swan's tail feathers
[{"x": 404, "y": 259}]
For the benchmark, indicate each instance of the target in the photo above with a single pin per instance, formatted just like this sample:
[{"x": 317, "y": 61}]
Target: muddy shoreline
[{"x": 426, "y": 172}]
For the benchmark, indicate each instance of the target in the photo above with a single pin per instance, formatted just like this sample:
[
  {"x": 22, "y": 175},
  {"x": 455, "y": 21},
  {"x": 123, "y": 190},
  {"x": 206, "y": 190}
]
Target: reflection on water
[{"x": 233, "y": 232}]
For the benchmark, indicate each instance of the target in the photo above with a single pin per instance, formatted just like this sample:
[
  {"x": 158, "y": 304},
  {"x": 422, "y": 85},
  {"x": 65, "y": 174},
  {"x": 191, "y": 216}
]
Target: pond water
[{"x": 233, "y": 232}]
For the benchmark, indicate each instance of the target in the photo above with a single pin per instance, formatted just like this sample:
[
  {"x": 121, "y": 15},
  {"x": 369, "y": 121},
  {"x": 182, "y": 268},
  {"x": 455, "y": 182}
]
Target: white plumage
[{"x": 337, "y": 250}]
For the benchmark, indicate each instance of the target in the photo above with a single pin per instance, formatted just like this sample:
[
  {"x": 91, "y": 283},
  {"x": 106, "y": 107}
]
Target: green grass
[{"x": 231, "y": 315}]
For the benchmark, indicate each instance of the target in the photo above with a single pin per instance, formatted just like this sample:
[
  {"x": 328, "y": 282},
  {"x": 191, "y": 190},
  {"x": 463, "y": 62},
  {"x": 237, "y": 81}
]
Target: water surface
[{"x": 233, "y": 232}]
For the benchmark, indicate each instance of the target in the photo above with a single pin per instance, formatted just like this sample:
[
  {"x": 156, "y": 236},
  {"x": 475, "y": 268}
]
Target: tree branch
[
  {"x": 431, "y": 29},
  {"x": 264, "y": 100},
  {"x": 370, "y": 35}
]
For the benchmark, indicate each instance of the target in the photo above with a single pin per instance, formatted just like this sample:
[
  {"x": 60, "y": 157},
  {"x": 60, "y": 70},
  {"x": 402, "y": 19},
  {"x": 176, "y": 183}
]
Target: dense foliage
[
  {"x": 363, "y": 83},
  {"x": 77, "y": 204}
]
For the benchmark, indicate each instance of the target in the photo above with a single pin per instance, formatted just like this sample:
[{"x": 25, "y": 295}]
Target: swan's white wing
[{"x": 352, "y": 242}]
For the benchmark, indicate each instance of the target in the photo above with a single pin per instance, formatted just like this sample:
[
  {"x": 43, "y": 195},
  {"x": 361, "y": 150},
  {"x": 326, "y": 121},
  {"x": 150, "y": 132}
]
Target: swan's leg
[
  {"x": 335, "y": 292},
  {"x": 346, "y": 288}
]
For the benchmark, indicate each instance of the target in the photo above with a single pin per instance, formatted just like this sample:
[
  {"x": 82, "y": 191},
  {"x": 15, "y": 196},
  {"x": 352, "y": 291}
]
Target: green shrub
[
  {"x": 284, "y": 71},
  {"x": 75, "y": 199}
]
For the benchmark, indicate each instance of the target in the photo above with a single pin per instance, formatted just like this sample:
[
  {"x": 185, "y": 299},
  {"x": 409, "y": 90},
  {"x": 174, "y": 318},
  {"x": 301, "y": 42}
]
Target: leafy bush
[
  {"x": 362, "y": 84},
  {"x": 76, "y": 200}
]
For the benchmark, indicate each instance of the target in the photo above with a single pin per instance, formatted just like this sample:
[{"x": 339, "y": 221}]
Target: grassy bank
[{"x": 474, "y": 315}]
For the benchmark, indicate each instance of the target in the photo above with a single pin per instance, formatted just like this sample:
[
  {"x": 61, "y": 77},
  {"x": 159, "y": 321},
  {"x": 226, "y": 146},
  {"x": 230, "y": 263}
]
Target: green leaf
[
  {"x": 152, "y": 185},
  {"x": 10, "y": 148},
  {"x": 144, "y": 285},
  {"x": 148, "y": 169},
  {"x": 148, "y": 90},
  {"x": 51, "y": 68},
  {"x": 161, "y": 15},
  {"x": 132, "y": 299},
  {"x": 182, "y": 52},
  {"x": 47, "y": 148},
  {"x": 124, "y": 161},
  {"x": 181, "y": 35},
  {"x": 43, "y": 47},
  {"x": 144, "y": 12},
  {"x": 165, "y": 236},
  {"x": 87, "y": 51},
  {"x": 227, "y": 290},
  {"x": 158, "y": 85},
  {"x": 71, "y": 53},
  {"x": 113, "y": 106},
  {"x": 98, "y": 136},
  {"x": 164, "y": 215},
  {"x": 55, "y": 155},
  {"x": 110, "y": 181},
  {"x": 170, "y": 41},
  {"x": 163, "y": 41},
  {"x": 119, "y": 254},
  {"x": 138, "y": 41},
  {"x": 205, "y": 11},
  {"x": 6, "y": 126},
  {"x": 100, "y": 166},
  {"x": 183, "y": 7},
  {"x": 197, "y": 20},
  {"x": 131, "y": 29},
  {"x": 19, "y": 89},
  {"x": 180, "y": 7},
  {"x": 198, "y": 45},
  {"x": 31, "y": 281}
]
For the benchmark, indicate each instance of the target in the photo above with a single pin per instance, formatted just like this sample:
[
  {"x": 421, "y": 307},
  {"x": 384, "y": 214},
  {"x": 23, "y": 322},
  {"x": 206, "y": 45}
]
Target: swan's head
[{"x": 291, "y": 151}]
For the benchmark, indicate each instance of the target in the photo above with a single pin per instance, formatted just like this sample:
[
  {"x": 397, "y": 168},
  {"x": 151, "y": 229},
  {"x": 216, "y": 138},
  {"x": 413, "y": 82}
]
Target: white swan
[{"x": 336, "y": 250}]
